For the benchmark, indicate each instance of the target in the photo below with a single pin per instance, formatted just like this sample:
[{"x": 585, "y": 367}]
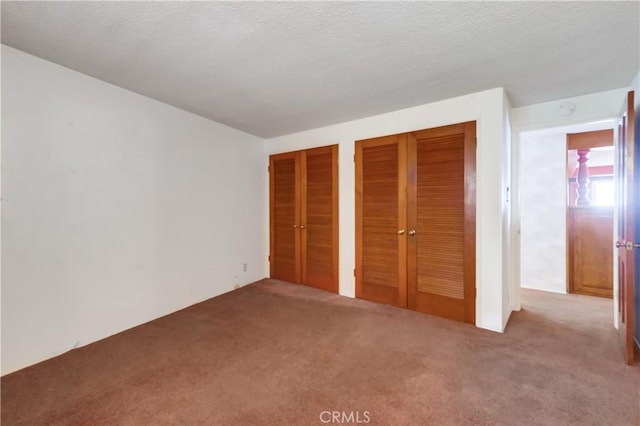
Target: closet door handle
[
  {"x": 295, "y": 226},
  {"x": 412, "y": 232},
  {"x": 302, "y": 227},
  {"x": 401, "y": 232}
]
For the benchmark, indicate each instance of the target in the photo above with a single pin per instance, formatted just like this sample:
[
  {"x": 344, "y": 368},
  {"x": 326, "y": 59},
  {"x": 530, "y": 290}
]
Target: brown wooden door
[
  {"x": 319, "y": 217},
  {"x": 625, "y": 251},
  {"x": 590, "y": 262},
  {"x": 381, "y": 219},
  {"x": 303, "y": 217},
  {"x": 441, "y": 221},
  {"x": 284, "y": 194}
]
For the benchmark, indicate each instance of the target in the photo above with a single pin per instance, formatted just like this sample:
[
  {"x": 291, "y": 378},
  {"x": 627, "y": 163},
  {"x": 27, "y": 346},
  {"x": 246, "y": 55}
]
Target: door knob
[
  {"x": 412, "y": 232},
  {"x": 295, "y": 226},
  {"x": 302, "y": 227},
  {"x": 401, "y": 232},
  {"x": 628, "y": 245}
]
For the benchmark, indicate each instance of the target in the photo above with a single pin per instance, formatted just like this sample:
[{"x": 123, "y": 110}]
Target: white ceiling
[{"x": 275, "y": 68}]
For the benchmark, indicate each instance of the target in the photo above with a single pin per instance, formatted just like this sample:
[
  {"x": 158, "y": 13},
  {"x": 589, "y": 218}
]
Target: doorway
[
  {"x": 590, "y": 203},
  {"x": 544, "y": 196}
]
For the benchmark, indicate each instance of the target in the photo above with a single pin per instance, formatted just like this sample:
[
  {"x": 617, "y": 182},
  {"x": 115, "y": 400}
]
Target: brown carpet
[{"x": 274, "y": 353}]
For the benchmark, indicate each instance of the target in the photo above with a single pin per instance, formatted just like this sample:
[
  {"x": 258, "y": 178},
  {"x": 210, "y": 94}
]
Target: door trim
[{"x": 626, "y": 210}]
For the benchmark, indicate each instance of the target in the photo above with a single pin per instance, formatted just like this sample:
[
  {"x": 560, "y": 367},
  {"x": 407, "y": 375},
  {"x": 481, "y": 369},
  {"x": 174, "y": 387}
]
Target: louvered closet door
[
  {"x": 284, "y": 182},
  {"x": 381, "y": 220},
  {"x": 441, "y": 221},
  {"x": 319, "y": 223}
]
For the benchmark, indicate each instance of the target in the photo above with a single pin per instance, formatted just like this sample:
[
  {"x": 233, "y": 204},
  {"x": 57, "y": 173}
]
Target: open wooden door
[
  {"x": 626, "y": 216},
  {"x": 441, "y": 205},
  {"x": 381, "y": 220}
]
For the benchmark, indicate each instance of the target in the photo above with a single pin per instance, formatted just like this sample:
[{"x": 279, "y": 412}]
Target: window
[{"x": 602, "y": 192}]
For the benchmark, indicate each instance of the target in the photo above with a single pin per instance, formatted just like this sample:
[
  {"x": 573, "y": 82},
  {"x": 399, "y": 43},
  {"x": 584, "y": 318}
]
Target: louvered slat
[
  {"x": 284, "y": 243},
  {"x": 441, "y": 203},
  {"x": 380, "y": 215},
  {"x": 320, "y": 208},
  {"x": 440, "y": 215}
]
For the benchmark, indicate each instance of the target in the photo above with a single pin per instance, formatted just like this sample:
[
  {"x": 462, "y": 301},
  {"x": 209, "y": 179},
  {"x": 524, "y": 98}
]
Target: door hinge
[
  {"x": 269, "y": 258},
  {"x": 354, "y": 158},
  {"x": 354, "y": 272},
  {"x": 268, "y": 169}
]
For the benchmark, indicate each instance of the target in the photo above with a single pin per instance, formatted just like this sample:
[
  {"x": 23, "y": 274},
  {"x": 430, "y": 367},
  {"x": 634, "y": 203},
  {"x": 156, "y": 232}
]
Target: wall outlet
[{"x": 244, "y": 267}]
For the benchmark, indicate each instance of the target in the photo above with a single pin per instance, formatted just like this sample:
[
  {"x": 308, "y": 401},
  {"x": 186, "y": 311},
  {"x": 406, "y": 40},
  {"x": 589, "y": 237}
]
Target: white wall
[
  {"x": 118, "y": 209},
  {"x": 635, "y": 86},
  {"x": 515, "y": 254},
  {"x": 488, "y": 109},
  {"x": 508, "y": 255},
  {"x": 543, "y": 206}
]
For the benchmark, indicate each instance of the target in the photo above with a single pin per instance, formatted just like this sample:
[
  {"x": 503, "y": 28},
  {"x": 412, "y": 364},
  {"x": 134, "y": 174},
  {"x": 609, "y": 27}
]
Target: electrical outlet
[{"x": 244, "y": 267}]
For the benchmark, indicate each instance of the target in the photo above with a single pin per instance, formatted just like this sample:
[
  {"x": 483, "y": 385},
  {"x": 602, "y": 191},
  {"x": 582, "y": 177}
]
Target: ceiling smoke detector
[{"x": 567, "y": 108}]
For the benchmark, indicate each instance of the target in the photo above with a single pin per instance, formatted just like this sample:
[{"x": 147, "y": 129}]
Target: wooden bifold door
[
  {"x": 415, "y": 220},
  {"x": 304, "y": 217}
]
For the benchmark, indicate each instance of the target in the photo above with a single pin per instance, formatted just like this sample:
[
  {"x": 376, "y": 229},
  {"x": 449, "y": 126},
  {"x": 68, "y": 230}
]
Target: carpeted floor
[{"x": 274, "y": 353}]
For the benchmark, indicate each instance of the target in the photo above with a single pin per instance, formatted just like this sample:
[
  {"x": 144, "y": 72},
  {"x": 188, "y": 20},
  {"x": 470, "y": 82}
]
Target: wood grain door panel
[
  {"x": 590, "y": 254},
  {"x": 285, "y": 242},
  {"x": 380, "y": 216},
  {"x": 626, "y": 218},
  {"x": 319, "y": 211},
  {"x": 441, "y": 209}
]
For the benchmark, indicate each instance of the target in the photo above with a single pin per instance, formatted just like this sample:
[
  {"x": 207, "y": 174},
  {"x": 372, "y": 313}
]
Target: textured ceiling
[{"x": 275, "y": 68}]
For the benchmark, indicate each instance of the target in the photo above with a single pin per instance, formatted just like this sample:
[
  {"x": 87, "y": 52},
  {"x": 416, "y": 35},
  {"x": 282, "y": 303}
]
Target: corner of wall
[
  {"x": 496, "y": 326},
  {"x": 510, "y": 256}
]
